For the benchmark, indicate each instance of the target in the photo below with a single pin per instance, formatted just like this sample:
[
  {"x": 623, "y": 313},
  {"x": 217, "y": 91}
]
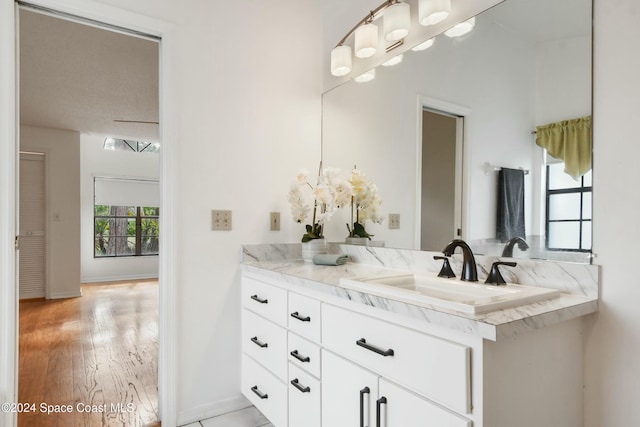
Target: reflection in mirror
[{"x": 527, "y": 63}]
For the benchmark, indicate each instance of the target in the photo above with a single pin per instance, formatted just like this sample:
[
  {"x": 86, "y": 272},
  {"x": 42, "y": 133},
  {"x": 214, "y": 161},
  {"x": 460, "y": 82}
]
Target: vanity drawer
[
  {"x": 266, "y": 342},
  {"x": 304, "y": 354},
  {"x": 304, "y": 316},
  {"x": 304, "y": 398},
  {"x": 433, "y": 367},
  {"x": 264, "y": 391},
  {"x": 266, "y": 300}
]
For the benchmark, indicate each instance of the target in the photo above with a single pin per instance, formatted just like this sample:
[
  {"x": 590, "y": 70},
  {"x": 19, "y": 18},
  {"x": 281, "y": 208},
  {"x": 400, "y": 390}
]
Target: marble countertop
[{"x": 493, "y": 325}]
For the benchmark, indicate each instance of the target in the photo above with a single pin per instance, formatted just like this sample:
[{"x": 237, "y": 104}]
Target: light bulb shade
[
  {"x": 424, "y": 45},
  {"x": 461, "y": 29},
  {"x": 393, "y": 61},
  {"x": 431, "y": 12},
  {"x": 367, "y": 76},
  {"x": 397, "y": 19},
  {"x": 341, "y": 60},
  {"x": 366, "y": 42}
]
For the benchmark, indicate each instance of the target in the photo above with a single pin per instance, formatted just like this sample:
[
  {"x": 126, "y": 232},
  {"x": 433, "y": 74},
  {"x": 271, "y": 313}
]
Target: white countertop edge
[{"x": 492, "y": 326}]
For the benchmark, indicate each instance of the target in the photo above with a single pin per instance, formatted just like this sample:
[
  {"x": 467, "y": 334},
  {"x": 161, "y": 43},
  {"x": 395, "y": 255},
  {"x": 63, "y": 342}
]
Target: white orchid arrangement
[
  {"x": 365, "y": 204},
  {"x": 331, "y": 192}
]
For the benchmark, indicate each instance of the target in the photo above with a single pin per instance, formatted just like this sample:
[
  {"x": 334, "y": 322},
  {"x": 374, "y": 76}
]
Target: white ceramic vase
[
  {"x": 312, "y": 248},
  {"x": 360, "y": 241}
]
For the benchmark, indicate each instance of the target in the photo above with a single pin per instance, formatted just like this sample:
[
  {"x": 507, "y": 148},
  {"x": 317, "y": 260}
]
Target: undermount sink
[{"x": 454, "y": 294}]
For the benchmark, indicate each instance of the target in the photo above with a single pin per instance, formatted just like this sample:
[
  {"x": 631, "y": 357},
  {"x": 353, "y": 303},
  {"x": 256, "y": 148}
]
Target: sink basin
[{"x": 454, "y": 294}]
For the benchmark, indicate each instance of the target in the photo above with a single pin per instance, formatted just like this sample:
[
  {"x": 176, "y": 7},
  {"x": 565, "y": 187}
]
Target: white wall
[
  {"x": 612, "y": 342},
  {"x": 374, "y": 125},
  {"x": 62, "y": 149},
  {"x": 95, "y": 161}
]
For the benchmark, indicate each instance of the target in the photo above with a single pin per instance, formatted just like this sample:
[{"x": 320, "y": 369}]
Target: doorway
[
  {"x": 49, "y": 122},
  {"x": 441, "y": 194},
  {"x": 9, "y": 129}
]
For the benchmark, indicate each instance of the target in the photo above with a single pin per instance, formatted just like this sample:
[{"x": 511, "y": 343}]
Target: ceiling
[{"x": 78, "y": 77}]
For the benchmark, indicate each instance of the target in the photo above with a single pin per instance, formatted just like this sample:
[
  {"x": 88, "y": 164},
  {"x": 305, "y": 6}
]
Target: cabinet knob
[
  {"x": 296, "y": 383},
  {"x": 260, "y": 394},
  {"x": 364, "y": 391},
  {"x": 260, "y": 300},
  {"x": 363, "y": 343}
]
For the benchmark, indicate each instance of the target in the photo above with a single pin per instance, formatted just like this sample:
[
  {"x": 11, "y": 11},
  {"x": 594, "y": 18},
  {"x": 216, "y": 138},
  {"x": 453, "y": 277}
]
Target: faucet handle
[
  {"x": 495, "y": 278},
  {"x": 446, "y": 270}
]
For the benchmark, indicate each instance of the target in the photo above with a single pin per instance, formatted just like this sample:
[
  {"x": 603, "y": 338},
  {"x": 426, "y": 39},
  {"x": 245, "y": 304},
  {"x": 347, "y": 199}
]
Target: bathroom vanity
[{"x": 318, "y": 353}]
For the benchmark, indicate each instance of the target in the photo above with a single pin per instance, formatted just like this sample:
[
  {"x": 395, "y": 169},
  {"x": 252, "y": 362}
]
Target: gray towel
[
  {"x": 510, "y": 218},
  {"x": 332, "y": 259}
]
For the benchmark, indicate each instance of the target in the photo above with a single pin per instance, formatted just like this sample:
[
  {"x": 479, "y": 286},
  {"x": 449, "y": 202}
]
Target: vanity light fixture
[
  {"x": 431, "y": 12},
  {"x": 341, "y": 60},
  {"x": 461, "y": 28},
  {"x": 393, "y": 61},
  {"x": 424, "y": 45},
  {"x": 366, "y": 40},
  {"x": 397, "y": 20},
  {"x": 367, "y": 76}
]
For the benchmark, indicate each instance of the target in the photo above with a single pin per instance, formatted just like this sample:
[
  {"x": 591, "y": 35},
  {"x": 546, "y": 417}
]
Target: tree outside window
[{"x": 126, "y": 231}]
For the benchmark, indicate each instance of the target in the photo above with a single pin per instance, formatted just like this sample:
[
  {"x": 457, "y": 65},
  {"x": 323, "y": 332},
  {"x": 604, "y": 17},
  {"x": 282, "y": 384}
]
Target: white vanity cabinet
[
  {"x": 313, "y": 359},
  {"x": 364, "y": 390}
]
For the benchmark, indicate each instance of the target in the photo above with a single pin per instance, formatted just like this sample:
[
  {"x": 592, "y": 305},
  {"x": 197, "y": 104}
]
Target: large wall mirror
[{"x": 432, "y": 131}]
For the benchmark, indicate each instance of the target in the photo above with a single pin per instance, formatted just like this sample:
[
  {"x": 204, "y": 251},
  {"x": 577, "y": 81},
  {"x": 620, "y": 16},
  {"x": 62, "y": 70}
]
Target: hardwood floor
[{"x": 94, "y": 357}]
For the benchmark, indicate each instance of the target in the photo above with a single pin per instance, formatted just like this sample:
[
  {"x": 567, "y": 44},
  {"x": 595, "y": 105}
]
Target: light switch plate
[
  {"x": 394, "y": 221},
  {"x": 275, "y": 221},
  {"x": 220, "y": 220}
]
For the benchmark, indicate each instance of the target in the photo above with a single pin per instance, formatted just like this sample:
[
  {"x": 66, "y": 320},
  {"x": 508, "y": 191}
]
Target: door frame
[
  {"x": 463, "y": 116},
  {"x": 9, "y": 161}
]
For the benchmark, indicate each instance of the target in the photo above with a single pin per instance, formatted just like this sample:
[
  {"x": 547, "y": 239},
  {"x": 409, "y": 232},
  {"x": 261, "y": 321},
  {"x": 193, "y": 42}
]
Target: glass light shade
[
  {"x": 431, "y": 12},
  {"x": 461, "y": 28},
  {"x": 366, "y": 42},
  {"x": 367, "y": 76},
  {"x": 397, "y": 20},
  {"x": 393, "y": 61},
  {"x": 424, "y": 45},
  {"x": 341, "y": 60}
]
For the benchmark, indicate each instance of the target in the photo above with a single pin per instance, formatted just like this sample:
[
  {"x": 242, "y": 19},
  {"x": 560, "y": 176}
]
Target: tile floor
[{"x": 249, "y": 417}]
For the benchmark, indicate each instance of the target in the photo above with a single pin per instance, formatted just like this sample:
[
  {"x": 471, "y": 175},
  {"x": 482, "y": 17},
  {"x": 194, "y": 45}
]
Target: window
[
  {"x": 125, "y": 231},
  {"x": 114, "y": 144},
  {"x": 568, "y": 216}
]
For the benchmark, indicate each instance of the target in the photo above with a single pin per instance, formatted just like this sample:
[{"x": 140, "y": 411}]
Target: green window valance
[{"x": 569, "y": 141}]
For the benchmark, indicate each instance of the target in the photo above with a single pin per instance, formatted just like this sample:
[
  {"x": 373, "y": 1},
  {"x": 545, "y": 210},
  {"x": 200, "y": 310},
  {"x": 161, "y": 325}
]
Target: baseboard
[
  {"x": 213, "y": 409},
  {"x": 67, "y": 294},
  {"x": 118, "y": 278}
]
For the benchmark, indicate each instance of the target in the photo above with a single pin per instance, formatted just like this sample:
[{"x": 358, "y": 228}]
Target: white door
[
  {"x": 349, "y": 393},
  {"x": 397, "y": 407},
  {"x": 32, "y": 271}
]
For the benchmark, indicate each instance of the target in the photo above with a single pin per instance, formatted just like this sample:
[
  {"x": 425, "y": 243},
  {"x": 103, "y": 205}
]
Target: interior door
[{"x": 32, "y": 264}]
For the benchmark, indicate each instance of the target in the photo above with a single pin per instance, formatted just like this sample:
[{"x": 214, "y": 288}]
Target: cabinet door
[
  {"x": 348, "y": 393},
  {"x": 397, "y": 407}
]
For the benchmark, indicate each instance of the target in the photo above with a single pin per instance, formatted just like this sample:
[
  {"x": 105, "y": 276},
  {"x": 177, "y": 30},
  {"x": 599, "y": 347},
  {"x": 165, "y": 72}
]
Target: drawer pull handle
[
  {"x": 259, "y": 343},
  {"x": 296, "y": 315},
  {"x": 379, "y": 403},
  {"x": 304, "y": 359},
  {"x": 261, "y": 301},
  {"x": 364, "y": 391},
  {"x": 260, "y": 394},
  {"x": 363, "y": 343},
  {"x": 300, "y": 387}
]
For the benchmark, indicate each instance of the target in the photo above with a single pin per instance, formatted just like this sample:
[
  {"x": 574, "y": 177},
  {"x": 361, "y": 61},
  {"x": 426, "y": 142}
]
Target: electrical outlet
[
  {"x": 220, "y": 220},
  {"x": 394, "y": 221},
  {"x": 275, "y": 221}
]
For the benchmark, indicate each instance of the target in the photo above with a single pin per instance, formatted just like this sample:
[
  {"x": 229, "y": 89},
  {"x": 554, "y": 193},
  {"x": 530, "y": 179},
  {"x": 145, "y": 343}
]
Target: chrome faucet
[
  {"x": 469, "y": 271},
  {"x": 507, "y": 252}
]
